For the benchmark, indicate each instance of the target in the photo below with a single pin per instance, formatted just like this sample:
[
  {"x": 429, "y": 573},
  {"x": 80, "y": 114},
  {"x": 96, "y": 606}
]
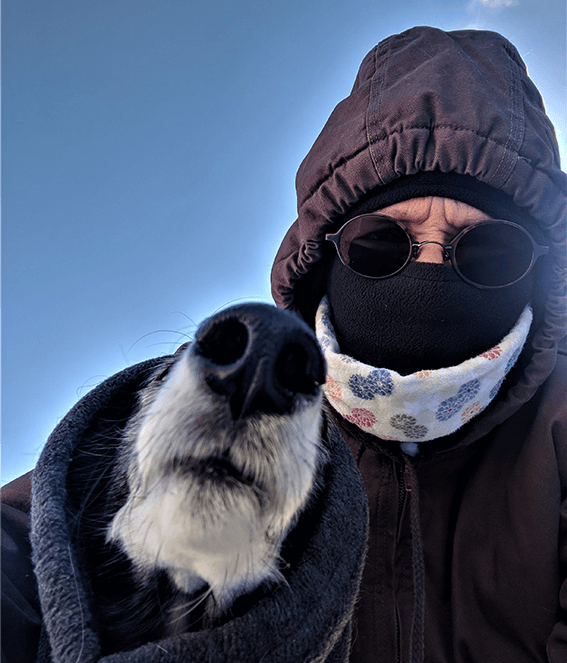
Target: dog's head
[{"x": 223, "y": 452}]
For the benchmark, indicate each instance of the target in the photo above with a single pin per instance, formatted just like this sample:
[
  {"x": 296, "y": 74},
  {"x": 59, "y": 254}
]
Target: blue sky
[{"x": 149, "y": 155}]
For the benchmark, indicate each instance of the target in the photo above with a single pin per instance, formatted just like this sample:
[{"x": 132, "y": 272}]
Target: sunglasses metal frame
[{"x": 448, "y": 249}]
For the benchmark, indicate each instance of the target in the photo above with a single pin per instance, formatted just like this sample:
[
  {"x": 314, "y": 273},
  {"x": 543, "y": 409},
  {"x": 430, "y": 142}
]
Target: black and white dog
[{"x": 208, "y": 477}]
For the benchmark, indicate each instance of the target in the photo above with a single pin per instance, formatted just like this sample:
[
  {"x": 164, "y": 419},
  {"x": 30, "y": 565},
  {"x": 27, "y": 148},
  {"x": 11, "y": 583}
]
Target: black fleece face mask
[{"x": 424, "y": 318}]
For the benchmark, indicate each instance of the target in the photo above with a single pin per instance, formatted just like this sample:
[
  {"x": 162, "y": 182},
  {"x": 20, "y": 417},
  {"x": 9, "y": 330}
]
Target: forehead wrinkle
[{"x": 435, "y": 213}]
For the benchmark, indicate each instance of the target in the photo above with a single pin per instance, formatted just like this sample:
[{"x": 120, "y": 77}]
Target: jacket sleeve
[{"x": 21, "y": 620}]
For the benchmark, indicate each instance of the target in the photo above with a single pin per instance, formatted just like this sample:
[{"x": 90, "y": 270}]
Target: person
[{"x": 429, "y": 254}]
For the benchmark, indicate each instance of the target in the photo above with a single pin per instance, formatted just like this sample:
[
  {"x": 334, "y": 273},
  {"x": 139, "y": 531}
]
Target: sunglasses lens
[
  {"x": 374, "y": 247},
  {"x": 494, "y": 254}
]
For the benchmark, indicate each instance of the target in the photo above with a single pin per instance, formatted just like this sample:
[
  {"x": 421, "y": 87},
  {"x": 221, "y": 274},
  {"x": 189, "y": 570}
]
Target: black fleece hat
[{"x": 464, "y": 188}]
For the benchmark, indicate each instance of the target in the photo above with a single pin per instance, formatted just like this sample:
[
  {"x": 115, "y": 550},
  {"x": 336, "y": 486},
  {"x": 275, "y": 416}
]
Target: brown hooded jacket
[{"x": 467, "y": 559}]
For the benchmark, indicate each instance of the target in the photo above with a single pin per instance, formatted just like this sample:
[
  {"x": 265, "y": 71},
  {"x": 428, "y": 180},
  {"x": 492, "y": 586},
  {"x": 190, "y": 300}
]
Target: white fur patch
[{"x": 199, "y": 526}]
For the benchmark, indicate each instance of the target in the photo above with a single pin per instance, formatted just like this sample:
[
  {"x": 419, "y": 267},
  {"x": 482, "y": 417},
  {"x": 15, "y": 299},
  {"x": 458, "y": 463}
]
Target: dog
[{"x": 192, "y": 497}]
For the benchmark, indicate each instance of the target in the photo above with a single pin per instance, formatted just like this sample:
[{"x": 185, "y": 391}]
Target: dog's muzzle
[{"x": 260, "y": 358}]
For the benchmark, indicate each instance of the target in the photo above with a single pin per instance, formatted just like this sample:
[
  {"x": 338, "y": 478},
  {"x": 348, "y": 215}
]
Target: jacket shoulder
[{"x": 17, "y": 493}]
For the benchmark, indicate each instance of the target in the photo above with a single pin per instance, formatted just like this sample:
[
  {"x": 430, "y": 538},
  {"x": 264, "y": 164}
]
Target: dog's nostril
[
  {"x": 292, "y": 370},
  {"x": 224, "y": 342},
  {"x": 259, "y": 358}
]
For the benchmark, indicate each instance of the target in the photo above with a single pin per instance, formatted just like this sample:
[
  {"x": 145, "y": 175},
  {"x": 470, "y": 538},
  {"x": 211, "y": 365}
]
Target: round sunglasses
[{"x": 488, "y": 254}]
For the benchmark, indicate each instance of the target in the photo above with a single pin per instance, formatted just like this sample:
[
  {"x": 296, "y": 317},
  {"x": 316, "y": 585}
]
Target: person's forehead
[{"x": 434, "y": 209}]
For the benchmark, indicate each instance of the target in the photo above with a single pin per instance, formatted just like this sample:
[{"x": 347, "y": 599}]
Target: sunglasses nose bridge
[{"x": 416, "y": 246}]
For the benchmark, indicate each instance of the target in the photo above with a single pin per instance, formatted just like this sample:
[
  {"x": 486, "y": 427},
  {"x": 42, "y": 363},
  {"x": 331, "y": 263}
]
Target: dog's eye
[{"x": 160, "y": 374}]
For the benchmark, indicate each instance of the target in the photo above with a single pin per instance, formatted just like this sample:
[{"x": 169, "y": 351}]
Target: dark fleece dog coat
[{"x": 308, "y": 618}]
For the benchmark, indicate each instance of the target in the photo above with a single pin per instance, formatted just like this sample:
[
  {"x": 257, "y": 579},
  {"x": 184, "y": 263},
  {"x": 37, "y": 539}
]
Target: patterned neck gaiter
[{"x": 422, "y": 406}]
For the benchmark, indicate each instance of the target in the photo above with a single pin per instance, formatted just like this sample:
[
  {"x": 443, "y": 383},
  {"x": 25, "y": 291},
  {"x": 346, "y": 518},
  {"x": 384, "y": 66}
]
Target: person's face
[
  {"x": 424, "y": 317},
  {"x": 433, "y": 219}
]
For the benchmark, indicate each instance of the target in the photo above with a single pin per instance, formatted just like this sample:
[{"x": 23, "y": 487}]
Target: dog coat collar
[{"x": 422, "y": 406}]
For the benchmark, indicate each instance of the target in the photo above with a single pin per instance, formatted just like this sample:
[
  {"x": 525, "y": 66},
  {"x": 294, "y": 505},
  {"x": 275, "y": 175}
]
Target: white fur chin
[
  {"x": 227, "y": 535},
  {"x": 232, "y": 555}
]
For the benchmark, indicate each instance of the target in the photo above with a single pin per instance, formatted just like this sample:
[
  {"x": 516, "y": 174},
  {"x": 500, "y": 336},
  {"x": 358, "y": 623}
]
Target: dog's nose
[{"x": 259, "y": 357}]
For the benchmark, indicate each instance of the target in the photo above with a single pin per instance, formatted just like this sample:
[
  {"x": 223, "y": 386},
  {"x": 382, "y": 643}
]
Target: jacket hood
[
  {"x": 432, "y": 101},
  {"x": 295, "y": 622}
]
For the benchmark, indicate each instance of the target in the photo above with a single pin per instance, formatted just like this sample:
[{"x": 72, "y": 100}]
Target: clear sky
[{"x": 149, "y": 155}]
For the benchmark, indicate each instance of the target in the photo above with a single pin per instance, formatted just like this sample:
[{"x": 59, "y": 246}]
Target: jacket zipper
[
  {"x": 398, "y": 638},
  {"x": 405, "y": 487},
  {"x": 402, "y": 489}
]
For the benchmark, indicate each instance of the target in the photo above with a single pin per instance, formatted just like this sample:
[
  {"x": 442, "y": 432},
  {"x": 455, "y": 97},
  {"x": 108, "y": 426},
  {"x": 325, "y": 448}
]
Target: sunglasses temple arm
[{"x": 540, "y": 251}]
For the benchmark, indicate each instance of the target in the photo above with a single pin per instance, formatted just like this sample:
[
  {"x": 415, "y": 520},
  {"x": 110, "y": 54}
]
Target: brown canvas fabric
[{"x": 468, "y": 542}]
